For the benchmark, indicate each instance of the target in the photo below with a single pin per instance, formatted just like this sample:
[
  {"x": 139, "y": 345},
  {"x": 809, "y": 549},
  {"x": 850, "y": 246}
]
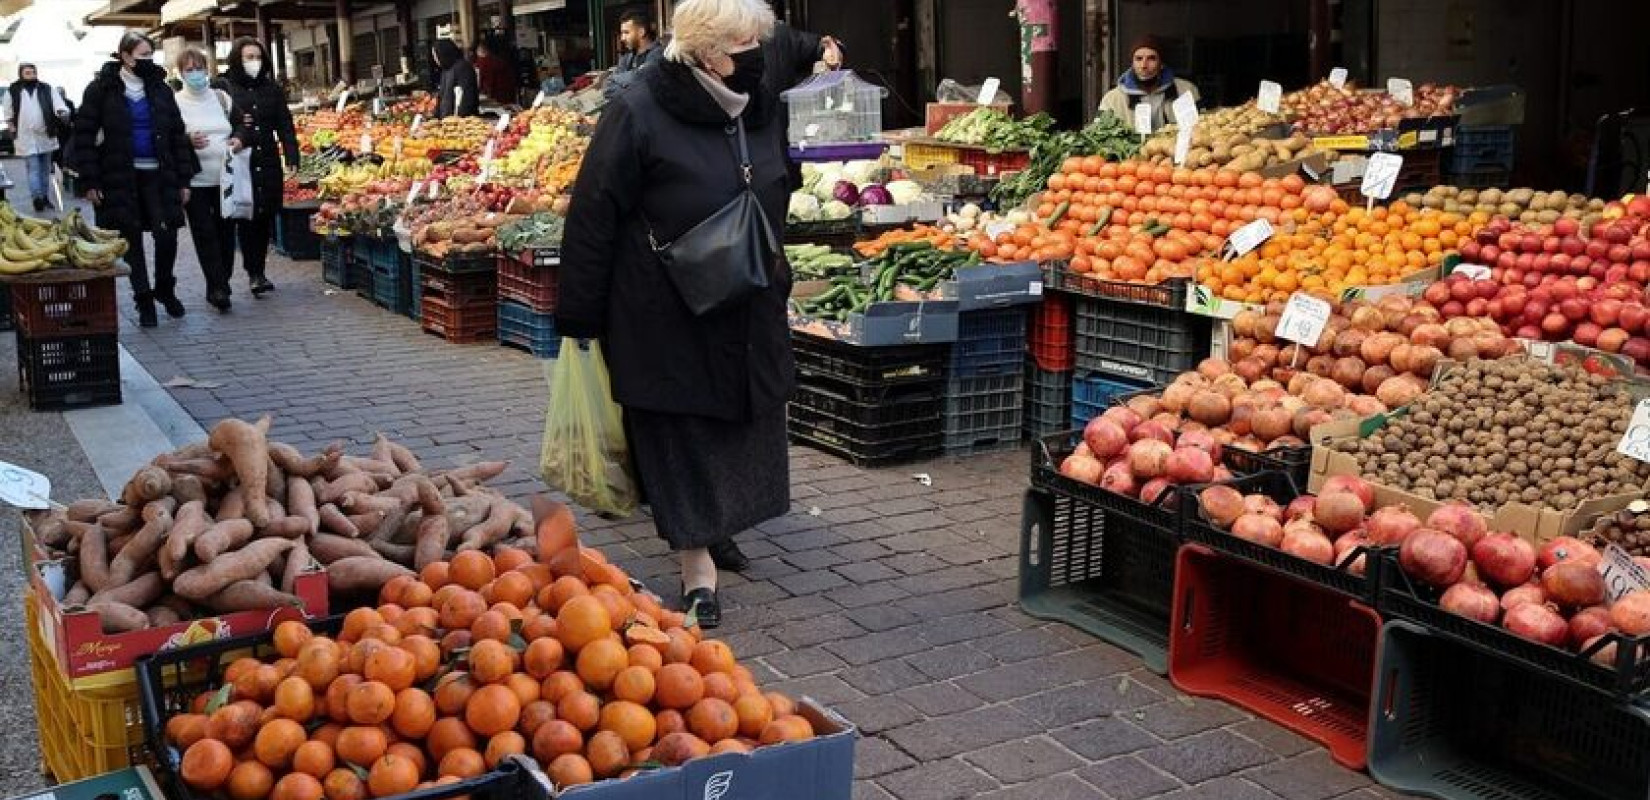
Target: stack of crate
[
  {"x": 984, "y": 389},
  {"x": 459, "y": 296},
  {"x": 1051, "y": 354},
  {"x": 68, "y": 352},
  {"x": 1124, "y": 346},
  {"x": 335, "y": 260},
  {"x": 1483, "y": 156},
  {"x": 390, "y": 272},
  {"x": 870, "y": 405},
  {"x": 527, "y": 301}
]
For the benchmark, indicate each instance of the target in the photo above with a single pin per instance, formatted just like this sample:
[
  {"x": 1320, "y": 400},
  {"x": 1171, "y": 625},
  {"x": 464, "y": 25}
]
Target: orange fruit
[
  {"x": 277, "y": 741},
  {"x": 460, "y": 609},
  {"x": 680, "y": 649},
  {"x": 257, "y": 684},
  {"x": 435, "y": 574},
  {"x": 391, "y": 591},
  {"x": 514, "y": 588},
  {"x": 670, "y": 721},
  {"x": 527, "y": 690},
  {"x": 562, "y": 590},
  {"x": 453, "y": 641},
  {"x": 632, "y": 721},
  {"x": 679, "y": 686},
  {"x": 788, "y": 728},
  {"x": 314, "y": 758},
  {"x": 206, "y": 765},
  {"x": 240, "y": 667},
  {"x": 493, "y": 625},
  {"x": 720, "y": 686},
  {"x": 580, "y": 708},
  {"x": 582, "y": 620},
  {"x": 317, "y": 664},
  {"x": 370, "y": 703},
  {"x": 713, "y": 720},
  {"x": 291, "y": 635},
  {"x": 555, "y": 738},
  {"x": 414, "y": 713},
  {"x": 361, "y": 745},
  {"x": 633, "y": 683},
  {"x": 342, "y": 784},
  {"x": 755, "y": 712},
  {"x": 416, "y": 595},
  {"x": 250, "y": 780},
  {"x": 644, "y": 655},
  {"x": 393, "y": 667},
  {"x": 676, "y": 748},
  {"x": 357, "y": 622},
  {"x": 506, "y": 559},
  {"x": 533, "y": 715},
  {"x": 542, "y": 626},
  {"x": 560, "y": 684},
  {"x": 543, "y": 656},
  {"x": 328, "y": 733},
  {"x": 384, "y": 632},
  {"x": 412, "y": 753},
  {"x": 462, "y": 762},
  {"x": 297, "y": 786},
  {"x": 234, "y": 725},
  {"x": 729, "y": 746},
  {"x": 392, "y": 775},
  {"x": 782, "y": 706},
  {"x": 186, "y": 729},
  {"x": 426, "y": 656},
  {"x": 508, "y": 743},
  {"x": 453, "y": 692},
  {"x": 448, "y": 733},
  {"x": 600, "y": 662},
  {"x": 356, "y": 662},
  {"x": 491, "y": 661},
  {"x": 619, "y": 610},
  {"x": 492, "y": 710},
  {"x": 607, "y": 754},
  {"x": 295, "y": 699},
  {"x": 570, "y": 769},
  {"x": 472, "y": 569}
]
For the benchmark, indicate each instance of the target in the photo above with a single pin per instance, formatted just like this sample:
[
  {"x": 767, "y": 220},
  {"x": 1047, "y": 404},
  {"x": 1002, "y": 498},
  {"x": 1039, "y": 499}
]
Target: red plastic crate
[
  {"x": 986, "y": 162},
  {"x": 1049, "y": 338},
  {"x": 72, "y": 308},
  {"x": 534, "y": 287},
  {"x": 468, "y": 323},
  {"x": 1294, "y": 653}
]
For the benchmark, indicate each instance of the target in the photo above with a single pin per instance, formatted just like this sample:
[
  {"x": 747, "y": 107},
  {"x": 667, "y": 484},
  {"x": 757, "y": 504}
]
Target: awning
[
  {"x": 127, "y": 13},
  {"x": 535, "y": 6},
  {"x": 179, "y": 10},
  {"x": 10, "y": 7}
]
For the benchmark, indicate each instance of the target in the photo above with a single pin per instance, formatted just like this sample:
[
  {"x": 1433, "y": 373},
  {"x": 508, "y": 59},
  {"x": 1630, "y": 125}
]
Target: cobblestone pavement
[{"x": 885, "y": 599}]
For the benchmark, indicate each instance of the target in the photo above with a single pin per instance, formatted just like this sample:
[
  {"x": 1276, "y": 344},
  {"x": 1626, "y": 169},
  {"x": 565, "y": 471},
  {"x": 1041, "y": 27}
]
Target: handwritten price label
[
  {"x": 1250, "y": 237},
  {"x": 1401, "y": 90},
  {"x": 1303, "y": 320},
  {"x": 1381, "y": 175},
  {"x": 1270, "y": 96},
  {"x": 413, "y": 192},
  {"x": 988, "y": 91},
  {"x": 503, "y": 122},
  {"x": 343, "y": 100},
  {"x": 418, "y": 122},
  {"x": 1477, "y": 272},
  {"x": 1621, "y": 573},
  {"x": 1143, "y": 119},
  {"x": 24, "y": 488},
  {"x": 1636, "y": 442},
  {"x": 1337, "y": 77}
]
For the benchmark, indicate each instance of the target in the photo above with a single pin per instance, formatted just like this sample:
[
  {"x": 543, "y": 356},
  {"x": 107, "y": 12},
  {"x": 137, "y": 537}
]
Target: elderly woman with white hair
[{"x": 703, "y": 388}]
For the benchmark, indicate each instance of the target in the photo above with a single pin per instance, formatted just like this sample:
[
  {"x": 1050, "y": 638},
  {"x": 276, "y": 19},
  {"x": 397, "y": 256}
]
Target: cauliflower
[
  {"x": 829, "y": 173},
  {"x": 904, "y": 192},
  {"x": 803, "y": 208},
  {"x": 860, "y": 172},
  {"x": 835, "y": 210}
]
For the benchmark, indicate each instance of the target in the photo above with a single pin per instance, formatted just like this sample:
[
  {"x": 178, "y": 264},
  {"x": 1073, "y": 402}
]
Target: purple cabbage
[
  {"x": 875, "y": 195},
  {"x": 846, "y": 192}
]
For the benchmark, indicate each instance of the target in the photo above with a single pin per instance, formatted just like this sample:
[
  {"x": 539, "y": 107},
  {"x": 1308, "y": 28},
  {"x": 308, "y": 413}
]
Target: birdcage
[{"x": 834, "y": 107}]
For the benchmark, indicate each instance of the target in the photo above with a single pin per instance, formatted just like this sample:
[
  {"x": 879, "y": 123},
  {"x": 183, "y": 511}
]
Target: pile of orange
[
  {"x": 1340, "y": 248},
  {"x": 473, "y": 661}
]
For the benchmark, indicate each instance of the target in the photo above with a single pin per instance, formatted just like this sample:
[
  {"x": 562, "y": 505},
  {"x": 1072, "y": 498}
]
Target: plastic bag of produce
[
  {"x": 585, "y": 453},
  {"x": 235, "y": 185}
]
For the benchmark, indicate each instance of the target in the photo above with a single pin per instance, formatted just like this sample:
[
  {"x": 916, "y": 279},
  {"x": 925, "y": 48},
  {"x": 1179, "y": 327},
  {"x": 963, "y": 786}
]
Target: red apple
[
  {"x": 1554, "y": 325},
  {"x": 1597, "y": 248},
  {"x": 1528, "y": 332},
  {"x": 1573, "y": 246},
  {"x": 1566, "y": 227},
  {"x": 1477, "y": 307},
  {"x": 1573, "y": 309},
  {"x": 1633, "y": 317},
  {"x": 1637, "y": 349},
  {"x": 1469, "y": 251},
  {"x": 1586, "y": 334},
  {"x": 1453, "y": 308},
  {"x": 1639, "y": 271},
  {"x": 1529, "y": 243},
  {"x": 1606, "y": 313},
  {"x": 1461, "y": 289}
]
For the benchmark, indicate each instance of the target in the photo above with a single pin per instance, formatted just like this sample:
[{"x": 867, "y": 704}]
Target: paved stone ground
[{"x": 888, "y": 600}]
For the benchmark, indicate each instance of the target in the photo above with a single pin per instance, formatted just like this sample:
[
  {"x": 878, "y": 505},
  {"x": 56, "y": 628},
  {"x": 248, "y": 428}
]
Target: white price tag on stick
[
  {"x": 1143, "y": 119},
  {"x": 1337, "y": 77},
  {"x": 343, "y": 100},
  {"x": 1380, "y": 175},
  {"x": 1270, "y": 96},
  {"x": 503, "y": 122},
  {"x": 24, "y": 488},
  {"x": 366, "y": 143},
  {"x": 1477, "y": 272},
  {"x": 435, "y": 188},
  {"x": 1249, "y": 236},
  {"x": 539, "y": 100},
  {"x": 988, "y": 92},
  {"x": 1182, "y": 145},
  {"x": 1621, "y": 573},
  {"x": 1185, "y": 111},
  {"x": 418, "y": 121},
  {"x": 1636, "y": 442},
  {"x": 1303, "y": 320},
  {"x": 1401, "y": 90},
  {"x": 413, "y": 192}
]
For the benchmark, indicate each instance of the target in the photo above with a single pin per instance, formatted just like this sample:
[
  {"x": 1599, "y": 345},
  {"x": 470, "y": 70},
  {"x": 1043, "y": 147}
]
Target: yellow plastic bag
[{"x": 585, "y": 453}]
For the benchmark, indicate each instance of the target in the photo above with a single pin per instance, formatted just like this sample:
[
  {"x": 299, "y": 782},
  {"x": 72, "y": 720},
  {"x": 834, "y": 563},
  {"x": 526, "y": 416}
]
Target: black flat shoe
[
  {"x": 219, "y": 301},
  {"x": 704, "y": 604},
  {"x": 146, "y": 313},
  {"x": 728, "y": 556},
  {"x": 261, "y": 286},
  {"x": 174, "y": 306}
]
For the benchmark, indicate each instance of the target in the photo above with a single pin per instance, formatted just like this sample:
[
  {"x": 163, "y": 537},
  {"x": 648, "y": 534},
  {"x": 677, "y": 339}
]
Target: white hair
[{"x": 701, "y": 28}]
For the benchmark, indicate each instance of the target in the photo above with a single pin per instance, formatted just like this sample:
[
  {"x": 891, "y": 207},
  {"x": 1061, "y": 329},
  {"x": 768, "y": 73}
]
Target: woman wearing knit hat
[{"x": 1150, "y": 82}]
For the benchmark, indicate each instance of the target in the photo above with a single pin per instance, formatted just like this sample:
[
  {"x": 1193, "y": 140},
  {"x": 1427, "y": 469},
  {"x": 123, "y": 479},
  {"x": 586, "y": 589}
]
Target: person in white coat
[
  {"x": 35, "y": 113},
  {"x": 207, "y": 115}
]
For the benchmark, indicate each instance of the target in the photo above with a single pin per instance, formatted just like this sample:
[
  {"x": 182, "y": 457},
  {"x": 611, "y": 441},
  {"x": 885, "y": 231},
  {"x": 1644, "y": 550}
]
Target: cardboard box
[
  {"x": 936, "y": 115},
  {"x": 131, "y": 783},
  {"x": 1533, "y": 523},
  {"x": 1413, "y": 133},
  {"x": 989, "y": 286},
  {"x": 1316, "y": 165},
  {"x": 919, "y": 211},
  {"x": 83, "y": 649},
  {"x": 821, "y": 768},
  {"x": 882, "y": 324},
  {"x": 1200, "y": 300}
]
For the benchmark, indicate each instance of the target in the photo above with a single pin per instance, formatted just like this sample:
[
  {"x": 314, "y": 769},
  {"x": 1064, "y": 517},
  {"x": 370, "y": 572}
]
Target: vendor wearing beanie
[{"x": 1147, "y": 81}]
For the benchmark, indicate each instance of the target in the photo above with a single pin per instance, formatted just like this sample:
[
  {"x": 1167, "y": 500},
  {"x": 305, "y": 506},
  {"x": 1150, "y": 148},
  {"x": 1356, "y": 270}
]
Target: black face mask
[{"x": 747, "y": 71}]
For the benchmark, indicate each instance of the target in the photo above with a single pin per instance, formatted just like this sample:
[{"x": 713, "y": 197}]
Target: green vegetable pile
[
  {"x": 994, "y": 130},
  {"x": 312, "y": 167},
  {"x": 1107, "y": 136},
  {"x": 810, "y": 262},
  {"x": 541, "y": 229},
  {"x": 915, "y": 265}
]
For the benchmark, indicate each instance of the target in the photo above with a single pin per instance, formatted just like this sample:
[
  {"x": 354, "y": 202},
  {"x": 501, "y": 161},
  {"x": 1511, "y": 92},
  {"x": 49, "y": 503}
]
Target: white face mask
[{"x": 252, "y": 68}]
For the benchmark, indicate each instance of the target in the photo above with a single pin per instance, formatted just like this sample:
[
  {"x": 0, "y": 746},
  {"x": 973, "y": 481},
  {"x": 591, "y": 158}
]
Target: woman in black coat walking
[
  {"x": 703, "y": 396},
  {"x": 459, "y": 92},
  {"x": 134, "y": 161},
  {"x": 265, "y": 120}
]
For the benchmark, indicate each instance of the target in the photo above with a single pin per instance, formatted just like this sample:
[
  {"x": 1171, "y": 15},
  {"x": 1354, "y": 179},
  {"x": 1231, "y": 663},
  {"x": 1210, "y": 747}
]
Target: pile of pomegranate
[
  {"x": 1324, "y": 529},
  {"x": 1135, "y": 456}
]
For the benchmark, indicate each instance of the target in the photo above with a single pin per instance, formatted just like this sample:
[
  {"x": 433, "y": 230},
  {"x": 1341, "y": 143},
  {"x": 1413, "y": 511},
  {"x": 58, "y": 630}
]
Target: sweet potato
[
  {"x": 145, "y": 589},
  {"x": 232, "y": 505},
  {"x": 328, "y": 548},
  {"x": 399, "y": 553},
  {"x": 121, "y": 519},
  {"x": 148, "y": 483},
  {"x": 287, "y": 527},
  {"x": 489, "y": 531},
  {"x": 433, "y": 534},
  {"x": 77, "y": 595},
  {"x": 212, "y": 577},
  {"x": 333, "y": 491},
  {"x": 293, "y": 463},
  {"x": 191, "y": 521},
  {"x": 356, "y": 573},
  {"x": 274, "y": 482},
  {"x": 247, "y": 449},
  {"x": 403, "y": 458},
  {"x": 296, "y": 562},
  {"x": 226, "y": 535},
  {"x": 90, "y": 510},
  {"x": 383, "y": 452},
  {"x": 186, "y": 488},
  {"x": 479, "y": 471},
  {"x": 119, "y": 617},
  {"x": 138, "y": 554},
  {"x": 362, "y": 502},
  {"x": 334, "y": 520},
  {"x": 367, "y": 523},
  {"x": 464, "y": 512},
  {"x": 249, "y": 595},
  {"x": 371, "y": 466},
  {"x": 211, "y": 470},
  {"x": 50, "y": 530},
  {"x": 94, "y": 558},
  {"x": 428, "y": 497},
  {"x": 162, "y": 616},
  {"x": 300, "y": 502}
]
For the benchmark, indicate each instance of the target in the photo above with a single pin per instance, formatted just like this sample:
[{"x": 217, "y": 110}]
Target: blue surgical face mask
[{"x": 196, "y": 79}]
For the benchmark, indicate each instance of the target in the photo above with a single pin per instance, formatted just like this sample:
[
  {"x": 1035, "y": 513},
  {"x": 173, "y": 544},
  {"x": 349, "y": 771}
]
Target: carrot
[
  {"x": 191, "y": 521},
  {"x": 334, "y": 520},
  {"x": 356, "y": 573},
  {"x": 148, "y": 483},
  {"x": 328, "y": 548},
  {"x": 146, "y": 589},
  {"x": 292, "y": 462},
  {"x": 119, "y": 617},
  {"x": 247, "y": 449},
  {"x": 94, "y": 558},
  {"x": 433, "y": 535},
  {"x": 300, "y": 502},
  {"x": 249, "y": 595},
  {"x": 139, "y": 553},
  {"x": 212, "y": 577},
  {"x": 226, "y": 535}
]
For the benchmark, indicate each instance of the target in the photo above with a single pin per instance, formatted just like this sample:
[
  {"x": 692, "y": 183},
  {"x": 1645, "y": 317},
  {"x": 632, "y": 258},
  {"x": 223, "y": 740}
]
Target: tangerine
[
  {"x": 186, "y": 729},
  {"x": 514, "y": 588},
  {"x": 679, "y": 686},
  {"x": 729, "y": 746},
  {"x": 453, "y": 692},
  {"x": 343, "y": 784},
  {"x": 580, "y": 708},
  {"x": 526, "y": 689},
  {"x": 277, "y": 741},
  {"x": 416, "y": 595},
  {"x": 543, "y": 657},
  {"x": 607, "y": 754},
  {"x": 633, "y": 683},
  {"x": 414, "y": 713},
  {"x": 290, "y": 636},
  {"x": 643, "y": 655},
  {"x": 632, "y": 721},
  {"x": 317, "y": 664},
  {"x": 426, "y": 656},
  {"x": 206, "y": 765},
  {"x": 361, "y": 744},
  {"x": 234, "y": 725},
  {"x": 370, "y": 703},
  {"x": 393, "y": 667},
  {"x": 787, "y": 728},
  {"x": 782, "y": 706},
  {"x": 297, "y": 786},
  {"x": 712, "y": 655},
  {"x": 492, "y": 710},
  {"x": 562, "y": 590},
  {"x": 533, "y": 715},
  {"x": 555, "y": 738},
  {"x": 560, "y": 684},
  {"x": 491, "y": 661},
  {"x": 461, "y": 609},
  {"x": 435, "y": 574},
  {"x": 670, "y": 721},
  {"x": 462, "y": 762},
  {"x": 357, "y": 622},
  {"x": 448, "y": 733},
  {"x": 392, "y": 775},
  {"x": 600, "y": 661},
  {"x": 582, "y": 620},
  {"x": 755, "y": 712},
  {"x": 720, "y": 686},
  {"x": 506, "y": 559},
  {"x": 570, "y": 769},
  {"x": 676, "y": 748},
  {"x": 472, "y": 569},
  {"x": 295, "y": 699},
  {"x": 314, "y": 758},
  {"x": 508, "y": 743},
  {"x": 713, "y": 720},
  {"x": 250, "y": 780}
]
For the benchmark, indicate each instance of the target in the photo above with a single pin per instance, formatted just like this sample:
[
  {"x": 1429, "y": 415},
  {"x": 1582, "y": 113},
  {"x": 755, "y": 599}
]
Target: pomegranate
[
  {"x": 1259, "y": 529},
  {"x": 1152, "y": 429},
  {"x": 1300, "y": 507},
  {"x": 1566, "y": 548},
  {"x": 1263, "y": 505},
  {"x": 1473, "y": 601},
  {"x": 1211, "y": 407},
  {"x": 1306, "y": 543},
  {"x": 1082, "y": 468},
  {"x": 1587, "y": 624},
  {"x": 1631, "y": 613},
  {"x": 1350, "y": 541},
  {"x": 1537, "y": 622},
  {"x": 1338, "y": 511},
  {"x": 1120, "y": 479},
  {"x": 1518, "y": 595},
  {"x": 1222, "y": 505},
  {"x": 1572, "y": 584},
  {"x": 1105, "y": 437},
  {"x": 1125, "y": 417},
  {"x": 1190, "y": 465},
  {"x": 1459, "y": 520},
  {"x": 1433, "y": 557},
  {"x": 1391, "y": 525},
  {"x": 1149, "y": 458},
  {"x": 1202, "y": 440},
  {"x": 1504, "y": 559},
  {"x": 1154, "y": 489},
  {"x": 1354, "y": 484}
]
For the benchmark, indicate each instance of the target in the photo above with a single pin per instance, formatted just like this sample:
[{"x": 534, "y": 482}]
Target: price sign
[
  {"x": 503, "y": 122},
  {"x": 487, "y": 152},
  {"x": 1477, "y": 272},
  {"x": 395, "y": 146},
  {"x": 1621, "y": 573},
  {"x": 1381, "y": 174},
  {"x": 1636, "y": 442},
  {"x": 1035, "y": 288},
  {"x": 366, "y": 143},
  {"x": 377, "y": 106},
  {"x": 539, "y": 99},
  {"x": 988, "y": 91},
  {"x": 435, "y": 188},
  {"x": 1250, "y": 236},
  {"x": 1270, "y": 96},
  {"x": 418, "y": 121},
  {"x": 1185, "y": 112},
  {"x": 24, "y": 488},
  {"x": 1401, "y": 90},
  {"x": 1143, "y": 119},
  {"x": 1303, "y": 320},
  {"x": 413, "y": 192},
  {"x": 1337, "y": 77},
  {"x": 458, "y": 98},
  {"x": 343, "y": 100},
  {"x": 996, "y": 229},
  {"x": 1182, "y": 145}
]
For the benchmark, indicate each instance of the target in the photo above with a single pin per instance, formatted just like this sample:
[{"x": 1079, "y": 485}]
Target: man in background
[
  {"x": 36, "y": 114},
  {"x": 638, "y": 42}
]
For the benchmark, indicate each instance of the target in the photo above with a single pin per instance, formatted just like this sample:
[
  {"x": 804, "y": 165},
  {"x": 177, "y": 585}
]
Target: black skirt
[{"x": 709, "y": 479}]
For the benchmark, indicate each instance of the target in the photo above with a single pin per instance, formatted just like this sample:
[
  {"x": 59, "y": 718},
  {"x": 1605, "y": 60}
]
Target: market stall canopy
[
  {"x": 127, "y": 13},
  {"x": 535, "y": 6},
  {"x": 10, "y": 7},
  {"x": 179, "y": 10}
]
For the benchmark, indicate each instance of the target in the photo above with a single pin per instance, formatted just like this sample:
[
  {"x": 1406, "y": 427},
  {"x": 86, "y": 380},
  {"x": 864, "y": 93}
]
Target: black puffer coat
[
  {"x": 264, "y": 121},
  {"x": 664, "y": 151},
  {"x": 102, "y": 155}
]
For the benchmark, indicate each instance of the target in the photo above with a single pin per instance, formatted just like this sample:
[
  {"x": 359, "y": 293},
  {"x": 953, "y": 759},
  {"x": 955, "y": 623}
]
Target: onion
[
  {"x": 1190, "y": 465},
  {"x": 1270, "y": 423},
  {"x": 1308, "y": 418},
  {"x": 1259, "y": 529},
  {"x": 1573, "y": 585},
  {"x": 1212, "y": 368},
  {"x": 1350, "y": 342},
  {"x": 1325, "y": 394},
  {"x": 1473, "y": 601},
  {"x": 1321, "y": 366},
  {"x": 1291, "y": 355},
  {"x": 1357, "y": 486},
  {"x": 1120, "y": 479},
  {"x": 1306, "y": 543},
  {"x": 1423, "y": 360},
  {"x": 1566, "y": 548},
  {"x": 1082, "y": 468},
  {"x": 1251, "y": 368},
  {"x": 1399, "y": 360},
  {"x": 1519, "y": 595},
  {"x": 1587, "y": 624},
  {"x": 1504, "y": 559},
  {"x": 1631, "y": 613},
  {"x": 1266, "y": 329},
  {"x": 1222, "y": 505},
  {"x": 1228, "y": 386},
  {"x": 1431, "y": 334},
  {"x": 1433, "y": 557},
  {"x": 1149, "y": 458},
  {"x": 1298, "y": 383},
  {"x": 1265, "y": 353},
  {"x": 1239, "y": 350},
  {"x": 1537, "y": 622},
  {"x": 1459, "y": 520},
  {"x": 1368, "y": 318},
  {"x": 1338, "y": 512},
  {"x": 1244, "y": 323},
  {"x": 1395, "y": 306},
  {"x": 1210, "y": 407},
  {"x": 1105, "y": 437},
  {"x": 1242, "y": 415}
]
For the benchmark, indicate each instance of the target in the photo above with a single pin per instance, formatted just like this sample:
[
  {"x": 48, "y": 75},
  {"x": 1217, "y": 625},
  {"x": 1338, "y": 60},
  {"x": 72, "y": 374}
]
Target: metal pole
[
  {"x": 404, "y": 18},
  {"x": 346, "y": 42},
  {"x": 1318, "y": 40},
  {"x": 466, "y": 23},
  {"x": 209, "y": 41},
  {"x": 1096, "y": 53},
  {"x": 262, "y": 20},
  {"x": 277, "y": 46}
]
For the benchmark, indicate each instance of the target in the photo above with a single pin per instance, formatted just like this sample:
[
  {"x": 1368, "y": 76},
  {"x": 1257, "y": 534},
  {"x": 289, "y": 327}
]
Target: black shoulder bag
[{"x": 727, "y": 257}]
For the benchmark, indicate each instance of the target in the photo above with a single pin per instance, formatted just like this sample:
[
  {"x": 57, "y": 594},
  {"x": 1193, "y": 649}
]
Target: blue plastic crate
[
  {"x": 989, "y": 343},
  {"x": 5, "y": 308},
  {"x": 523, "y": 328},
  {"x": 392, "y": 286},
  {"x": 335, "y": 261},
  {"x": 293, "y": 236},
  {"x": 1489, "y": 147},
  {"x": 1092, "y": 394}
]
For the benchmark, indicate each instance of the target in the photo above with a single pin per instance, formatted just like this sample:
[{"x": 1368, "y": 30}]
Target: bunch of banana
[
  {"x": 91, "y": 247},
  {"x": 28, "y": 244}
]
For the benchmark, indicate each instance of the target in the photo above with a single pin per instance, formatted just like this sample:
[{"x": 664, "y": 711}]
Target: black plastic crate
[
  {"x": 58, "y": 372},
  {"x": 989, "y": 343},
  {"x": 1045, "y": 419},
  {"x": 917, "y": 404},
  {"x": 1047, "y": 401},
  {"x": 1296, "y": 462},
  {"x": 293, "y": 236},
  {"x": 1487, "y": 147},
  {"x": 170, "y": 680},
  {"x": 1103, "y": 572},
  {"x": 1455, "y": 722},
  {"x": 965, "y": 395},
  {"x": 868, "y": 373},
  {"x": 1170, "y": 294},
  {"x": 872, "y": 434},
  {"x": 1139, "y": 342},
  {"x": 1409, "y": 600},
  {"x": 457, "y": 263},
  {"x": 457, "y": 288},
  {"x": 5, "y": 308},
  {"x": 392, "y": 287},
  {"x": 863, "y": 453},
  {"x": 1480, "y": 179},
  {"x": 1278, "y": 486},
  {"x": 335, "y": 260}
]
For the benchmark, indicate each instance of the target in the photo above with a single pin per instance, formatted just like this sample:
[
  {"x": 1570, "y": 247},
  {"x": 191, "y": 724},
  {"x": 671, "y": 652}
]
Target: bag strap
[{"x": 741, "y": 150}]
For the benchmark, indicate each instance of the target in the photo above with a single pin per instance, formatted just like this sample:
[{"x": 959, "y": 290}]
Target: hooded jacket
[
  {"x": 456, "y": 73},
  {"x": 1129, "y": 92},
  {"x": 103, "y": 156},
  {"x": 263, "y": 120}
]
